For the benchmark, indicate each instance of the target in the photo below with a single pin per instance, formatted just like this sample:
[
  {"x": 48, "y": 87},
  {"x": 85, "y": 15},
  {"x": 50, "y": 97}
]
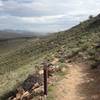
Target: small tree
[{"x": 90, "y": 17}]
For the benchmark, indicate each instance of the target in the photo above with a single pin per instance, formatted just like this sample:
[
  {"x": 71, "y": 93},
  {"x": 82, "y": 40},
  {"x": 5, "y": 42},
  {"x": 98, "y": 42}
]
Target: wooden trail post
[
  {"x": 45, "y": 80},
  {"x": 45, "y": 68}
]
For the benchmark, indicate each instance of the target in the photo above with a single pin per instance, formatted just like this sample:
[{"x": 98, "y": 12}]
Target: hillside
[{"x": 18, "y": 57}]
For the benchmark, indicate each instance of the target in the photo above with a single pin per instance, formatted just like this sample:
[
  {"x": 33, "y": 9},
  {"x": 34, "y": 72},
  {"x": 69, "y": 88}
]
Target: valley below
[{"x": 75, "y": 58}]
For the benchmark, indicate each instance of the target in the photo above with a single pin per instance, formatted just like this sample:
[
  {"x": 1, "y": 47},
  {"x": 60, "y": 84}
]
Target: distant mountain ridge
[{"x": 10, "y": 34}]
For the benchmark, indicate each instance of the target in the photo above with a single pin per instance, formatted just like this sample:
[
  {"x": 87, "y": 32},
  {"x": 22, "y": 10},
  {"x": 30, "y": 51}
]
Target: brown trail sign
[
  {"x": 45, "y": 80},
  {"x": 45, "y": 68}
]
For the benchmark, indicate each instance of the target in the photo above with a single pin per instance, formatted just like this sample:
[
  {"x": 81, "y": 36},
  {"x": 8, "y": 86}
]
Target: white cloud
[
  {"x": 42, "y": 19},
  {"x": 1, "y": 4},
  {"x": 47, "y": 14}
]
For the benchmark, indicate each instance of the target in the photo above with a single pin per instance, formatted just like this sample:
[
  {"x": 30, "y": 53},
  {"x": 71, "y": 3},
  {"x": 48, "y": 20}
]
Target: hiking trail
[{"x": 67, "y": 88}]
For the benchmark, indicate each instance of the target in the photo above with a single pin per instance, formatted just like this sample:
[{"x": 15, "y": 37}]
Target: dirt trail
[{"x": 67, "y": 88}]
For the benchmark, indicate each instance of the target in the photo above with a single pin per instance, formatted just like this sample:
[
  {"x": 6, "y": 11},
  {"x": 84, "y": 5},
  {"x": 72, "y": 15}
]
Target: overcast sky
[{"x": 45, "y": 15}]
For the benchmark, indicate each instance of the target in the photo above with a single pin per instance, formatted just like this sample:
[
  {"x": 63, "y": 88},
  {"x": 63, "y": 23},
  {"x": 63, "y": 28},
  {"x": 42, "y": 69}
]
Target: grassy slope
[{"x": 18, "y": 57}]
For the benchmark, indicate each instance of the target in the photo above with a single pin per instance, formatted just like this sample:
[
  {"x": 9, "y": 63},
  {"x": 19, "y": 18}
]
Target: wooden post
[{"x": 45, "y": 80}]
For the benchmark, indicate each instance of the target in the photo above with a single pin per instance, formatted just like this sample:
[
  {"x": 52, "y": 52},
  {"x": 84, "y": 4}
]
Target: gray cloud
[{"x": 45, "y": 15}]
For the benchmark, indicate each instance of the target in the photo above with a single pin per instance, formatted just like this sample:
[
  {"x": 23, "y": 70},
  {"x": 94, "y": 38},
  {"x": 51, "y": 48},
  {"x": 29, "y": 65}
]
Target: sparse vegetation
[{"x": 19, "y": 61}]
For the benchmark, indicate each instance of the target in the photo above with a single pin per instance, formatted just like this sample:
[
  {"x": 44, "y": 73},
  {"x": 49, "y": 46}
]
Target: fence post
[{"x": 45, "y": 80}]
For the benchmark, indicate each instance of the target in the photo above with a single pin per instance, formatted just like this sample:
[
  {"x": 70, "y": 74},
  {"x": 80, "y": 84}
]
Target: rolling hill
[{"x": 18, "y": 57}]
